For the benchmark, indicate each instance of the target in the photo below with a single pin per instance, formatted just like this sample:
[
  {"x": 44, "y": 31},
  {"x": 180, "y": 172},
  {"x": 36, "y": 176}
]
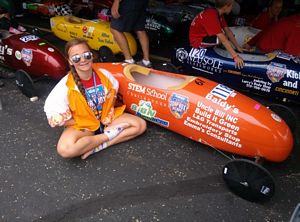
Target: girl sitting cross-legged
[{"x": 83, "y": 102}]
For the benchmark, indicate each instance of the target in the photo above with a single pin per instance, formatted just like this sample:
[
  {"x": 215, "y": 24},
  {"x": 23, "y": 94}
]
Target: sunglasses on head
[{"x": 86, "y": 55}]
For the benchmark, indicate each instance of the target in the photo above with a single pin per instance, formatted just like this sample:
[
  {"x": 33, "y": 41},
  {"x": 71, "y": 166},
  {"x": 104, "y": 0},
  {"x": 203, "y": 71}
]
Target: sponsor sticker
[
  {"x": 91, "y": 29},
  {"x": 28, "y": 38},
  {"x": 276, "y": 117},
  {"x": 181, "y": 54},
  {"x": 27, "y": 56},
  {"x": 200, "y": 60},
  {"x": 222, "y": 91},
  {"x": 148, "y": 91},
  {"x": 276, "y": 71},
  {"x": 152, "y": 24},
  {"x": 145, "y": 110},
  {"x": 219, "y": 96},
  {"x": 283, "y": 55},
  {"x": 18, "y": 55},
  {"x": 178, "y": 105}
]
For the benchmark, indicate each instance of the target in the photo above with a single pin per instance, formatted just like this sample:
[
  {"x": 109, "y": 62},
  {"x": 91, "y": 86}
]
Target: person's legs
[
  {"x": 144, "y": 41},
  {"x": 74, "y": 142},
  {"x": 135, "y": 126},
  {"x": 122, "y": 42}
]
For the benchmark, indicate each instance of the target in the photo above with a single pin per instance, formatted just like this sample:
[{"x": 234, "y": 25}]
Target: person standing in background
[
  {"x": 127, "y": 16},
  {"x": 282, "y": 35},
  {"x": 268, "y": 16},
  {"x": 209, "y": 28}
]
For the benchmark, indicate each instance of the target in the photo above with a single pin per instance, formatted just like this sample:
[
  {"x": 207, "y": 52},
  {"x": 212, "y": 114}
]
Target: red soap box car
[{"x": 32, "y": 57}]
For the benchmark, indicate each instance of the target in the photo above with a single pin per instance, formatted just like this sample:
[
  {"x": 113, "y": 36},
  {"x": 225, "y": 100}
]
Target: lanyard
[{"x": 96, "y": 100}]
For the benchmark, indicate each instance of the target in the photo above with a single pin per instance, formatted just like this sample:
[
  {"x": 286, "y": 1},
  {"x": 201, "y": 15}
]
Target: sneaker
[
  {"x": 34, "y": 98},
  {"x": 145, "y": 63},
  {"x": 129, "y": 61}
]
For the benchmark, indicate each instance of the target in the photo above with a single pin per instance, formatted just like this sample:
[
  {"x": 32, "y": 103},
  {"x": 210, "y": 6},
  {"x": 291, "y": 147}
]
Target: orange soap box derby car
[{"x": 212, "y": 114}]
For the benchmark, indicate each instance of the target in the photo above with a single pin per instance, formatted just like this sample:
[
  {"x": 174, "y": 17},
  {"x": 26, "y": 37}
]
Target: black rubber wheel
[
  {"x": 296, "y": 214},
  {"x": 249, "y": 180},
  {"x": 25, "y": 84},
  {"x": 286, "y": 114},
  {"x": 167, "y": 67},
  {"x": 106, "y": 55}
]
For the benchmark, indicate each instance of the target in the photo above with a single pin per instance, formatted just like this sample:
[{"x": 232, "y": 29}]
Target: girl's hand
[{"x": 56, "y": 120}]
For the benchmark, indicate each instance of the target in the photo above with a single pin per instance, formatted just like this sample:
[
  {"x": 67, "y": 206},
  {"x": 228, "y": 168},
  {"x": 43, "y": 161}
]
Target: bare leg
[
  {"x": 144, "y": 41},
  {"x": 74, "y": 143},
  {"x": 122, "y": 42},
  {"x": 136, "y": 126}
]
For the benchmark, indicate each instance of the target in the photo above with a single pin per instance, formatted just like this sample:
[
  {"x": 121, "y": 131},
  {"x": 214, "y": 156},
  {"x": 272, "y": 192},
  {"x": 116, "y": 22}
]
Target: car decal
[
  {"x": 276, "y": 117},
  {"x": 144, "y": 109},
  {"x": 27, "y": 56},
  {"x": 28, "y": 38},
  {"x": 178, "y": 105},
  {"x": 215, "y": 123},
  {"x": 5, "y": 50},
  {"x": 18, "y": 55},
  {"x": 276, "y": 71}
]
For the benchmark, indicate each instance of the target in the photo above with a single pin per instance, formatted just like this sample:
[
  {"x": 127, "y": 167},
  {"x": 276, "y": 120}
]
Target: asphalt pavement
[{"x": 159, "y": 176}]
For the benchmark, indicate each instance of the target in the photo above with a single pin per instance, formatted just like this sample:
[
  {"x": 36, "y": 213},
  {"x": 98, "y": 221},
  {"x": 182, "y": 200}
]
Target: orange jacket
[{"x": 65, "y": 102}]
